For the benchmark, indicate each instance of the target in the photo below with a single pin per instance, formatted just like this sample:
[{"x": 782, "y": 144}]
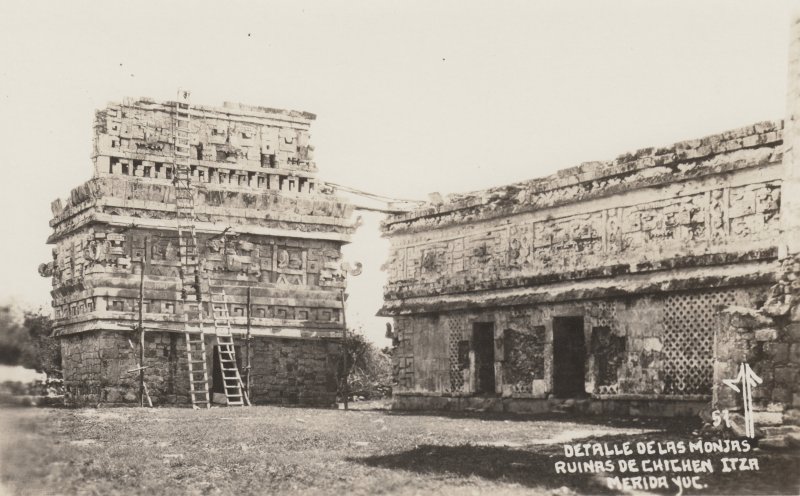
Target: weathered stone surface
[
  {"x": 793, "y": 439},
  {"x": 286, "y": 371},
  {"x": 747, "y": 318},
  {"x": 766, "y": 334},
  {"x": 646, "y": 249},
  {"x": 266, "y": 230},
  {"x": 773, "y": 443}
]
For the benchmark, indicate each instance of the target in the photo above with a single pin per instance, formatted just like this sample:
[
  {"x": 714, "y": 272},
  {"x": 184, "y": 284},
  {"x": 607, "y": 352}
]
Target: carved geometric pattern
[
  {"x": 688, "y": 341},
  {"x": 456, "y": 329},
  {"x": 605, "y": 316},
  {"x": 599, "y": 237}
]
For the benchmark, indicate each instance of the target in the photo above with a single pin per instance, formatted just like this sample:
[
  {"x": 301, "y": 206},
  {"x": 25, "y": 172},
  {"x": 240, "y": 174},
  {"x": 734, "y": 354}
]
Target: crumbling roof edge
[
  {"x": 227, "y": 107},
  {"x": 594, "y": 170}
]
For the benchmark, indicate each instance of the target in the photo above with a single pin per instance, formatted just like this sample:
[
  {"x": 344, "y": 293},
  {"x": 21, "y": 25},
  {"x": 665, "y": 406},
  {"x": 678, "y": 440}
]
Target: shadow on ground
[
  {"x": 509, "y": 465},
  {"x": 533, "y": 466}
]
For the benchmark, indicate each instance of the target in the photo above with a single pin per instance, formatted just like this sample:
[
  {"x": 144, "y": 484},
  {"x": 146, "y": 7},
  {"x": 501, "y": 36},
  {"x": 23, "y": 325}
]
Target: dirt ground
[{"x": 273, "y": 450}]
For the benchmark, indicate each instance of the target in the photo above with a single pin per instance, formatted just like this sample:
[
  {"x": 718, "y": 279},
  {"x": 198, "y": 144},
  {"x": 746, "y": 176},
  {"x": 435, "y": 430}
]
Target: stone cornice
[
  {"x": 694, "y": 278},
  {"x": 750, "y": 146}
]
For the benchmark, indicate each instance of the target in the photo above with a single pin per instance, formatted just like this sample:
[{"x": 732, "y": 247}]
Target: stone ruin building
[
  {"x": 258, "y": 226},
  {"x": 600, "y": 282},
  {"x": 630, "y": 286}
]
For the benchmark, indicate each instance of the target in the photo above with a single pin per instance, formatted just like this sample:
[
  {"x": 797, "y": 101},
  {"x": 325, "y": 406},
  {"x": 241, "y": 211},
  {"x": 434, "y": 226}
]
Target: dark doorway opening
[
  {"x": 483, "y": 346},
  {"x": 217, "y": 385},
  {"x": 569, "y": 357}
]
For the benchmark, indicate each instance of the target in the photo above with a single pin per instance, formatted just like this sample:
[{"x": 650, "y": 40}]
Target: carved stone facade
[
  {"x": 264, "y": 225},
  {"x": 599, "y": 287}
]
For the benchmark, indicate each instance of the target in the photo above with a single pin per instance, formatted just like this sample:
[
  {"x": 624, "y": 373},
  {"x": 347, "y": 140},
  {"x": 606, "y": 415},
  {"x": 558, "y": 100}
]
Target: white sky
[{"x": 411, "y": 96}]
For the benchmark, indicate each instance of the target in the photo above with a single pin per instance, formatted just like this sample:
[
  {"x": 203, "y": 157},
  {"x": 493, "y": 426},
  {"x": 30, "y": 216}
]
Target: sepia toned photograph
[{"x": 400, "y": 248}]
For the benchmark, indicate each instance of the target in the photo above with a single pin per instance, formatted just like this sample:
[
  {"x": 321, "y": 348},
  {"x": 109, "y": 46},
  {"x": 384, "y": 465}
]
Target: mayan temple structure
[
  {"x": 212, "y": 218},
  {"x": 597, "y": 288},
  {"x": 663, "y": 282}
]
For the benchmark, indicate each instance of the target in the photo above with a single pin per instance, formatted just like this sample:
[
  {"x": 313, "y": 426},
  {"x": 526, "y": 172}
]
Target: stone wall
[
  {"x": 767, "y": 338},
  {"x": 293, "y": 282},
  {"x": 646, "y": 248},
  {"x": 245, "y": 207},
  {"x": 285, "y": 371},
  {"x": 135, "y": 137},
  {"x": 658, "y": 346},
  {"x": 292, "y": 371},
  {"x": 97, "y": 365},
  {"x": 266, "y": 231},
  {"x": 711, "y": 202}
]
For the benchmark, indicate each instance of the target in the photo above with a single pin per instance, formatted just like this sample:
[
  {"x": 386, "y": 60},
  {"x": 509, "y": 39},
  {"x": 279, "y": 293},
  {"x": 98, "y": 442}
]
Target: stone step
[
  {"x": 782, "y": 437},
  {"x": 779, "y": 430}
]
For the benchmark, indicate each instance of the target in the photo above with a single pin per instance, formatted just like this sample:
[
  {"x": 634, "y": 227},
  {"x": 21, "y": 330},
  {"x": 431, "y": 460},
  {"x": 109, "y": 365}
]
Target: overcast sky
[{"x": 411, "y": 97}]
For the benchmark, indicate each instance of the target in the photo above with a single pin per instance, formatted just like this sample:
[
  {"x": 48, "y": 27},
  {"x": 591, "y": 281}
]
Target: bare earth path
[{"x": 273, "y": 450}]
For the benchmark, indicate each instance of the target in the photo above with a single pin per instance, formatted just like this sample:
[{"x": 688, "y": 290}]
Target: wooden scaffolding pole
[
  {"x": 247, "y": 342},
  {"x": 141, "y": 324}
]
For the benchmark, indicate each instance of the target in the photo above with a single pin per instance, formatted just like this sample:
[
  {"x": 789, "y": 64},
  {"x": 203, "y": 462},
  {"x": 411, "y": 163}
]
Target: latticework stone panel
[
  {"x": 458, "y": 342},
  {"x": 689, "y": 322}
]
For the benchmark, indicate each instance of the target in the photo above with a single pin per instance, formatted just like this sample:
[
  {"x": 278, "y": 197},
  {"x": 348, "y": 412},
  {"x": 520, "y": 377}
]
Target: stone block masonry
[
  {"x": 600, "y": 286},
  {"x": 267, "y": 231},
  {"x": 97, "y": 369},
  {"x": 294, "y": 372},
  {"x": 766, "y": 336}
]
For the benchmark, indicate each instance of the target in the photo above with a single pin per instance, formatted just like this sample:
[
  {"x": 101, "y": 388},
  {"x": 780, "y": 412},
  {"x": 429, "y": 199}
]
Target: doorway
[
  {"x": 483, "y": 346},
  {"x": 217, "y": 384},
  {"x": 569, "y": 357}
]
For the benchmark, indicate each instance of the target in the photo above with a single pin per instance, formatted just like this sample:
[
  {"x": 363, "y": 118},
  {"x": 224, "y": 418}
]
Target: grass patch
[{"x": 266, "y": 450}]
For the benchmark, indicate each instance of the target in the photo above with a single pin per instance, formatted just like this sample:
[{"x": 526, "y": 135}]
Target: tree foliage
[
  {"x": 26, "y": 341},
  {"x": 369, "y": 368}
]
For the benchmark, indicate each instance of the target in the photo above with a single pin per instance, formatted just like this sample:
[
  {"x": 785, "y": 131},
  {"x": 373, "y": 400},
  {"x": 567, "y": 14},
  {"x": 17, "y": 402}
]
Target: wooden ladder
[
  {"x": 189, "y": 258},
  {"x": 235, "y": 393}
]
